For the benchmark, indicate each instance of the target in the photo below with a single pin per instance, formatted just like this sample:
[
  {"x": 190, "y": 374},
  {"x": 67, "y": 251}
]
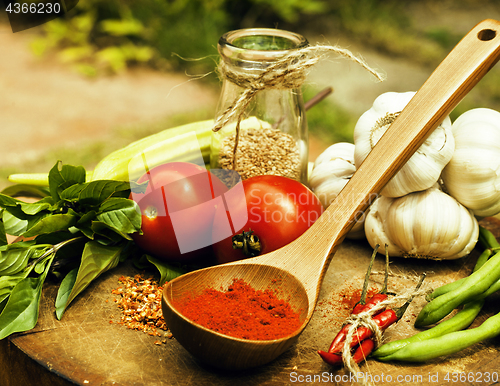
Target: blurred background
[{"x": 113, "y": 71}]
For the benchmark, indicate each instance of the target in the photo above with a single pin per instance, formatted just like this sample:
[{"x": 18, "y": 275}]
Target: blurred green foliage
[{"x": 107, "y": 36}]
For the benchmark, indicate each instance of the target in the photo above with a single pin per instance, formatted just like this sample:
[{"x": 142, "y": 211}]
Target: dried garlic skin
[
  {"x": 428, "y": 224},
  {"x": 423, "y": 169},
  {"x": 332, "y": 170},
  {"x": 472, "y": 176}
]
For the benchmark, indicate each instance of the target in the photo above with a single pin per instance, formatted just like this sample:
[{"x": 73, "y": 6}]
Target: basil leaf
[
  {"x": 21, "y": 311},
  {"x": 86, "y": 218},
  {"x": 52, "y": 223},
  {"x": 7, "y": 283},
  {"x": 3, "y": 235},
  {"x": 62, "y": 177},
  {"x": 96, "y": 259},
  {"x": 64, "y": 292},
  {"x": 121, "y": 214},
  {"x": 26, "y": 210},
  {"x": 13, "y": 225},
  {"x": 26, "y": 190},
  {"x": 35, "y": 207},
  {"x": 95, "y": 192},
  {"x": 13, "y": 206},
  {"x": 8, "y": 201},
  {"x": 14, "y": 257},
  {"x": 167, "y": 271},
  {"x": 87, "y": 232},
  {"x": 107, "y": 231}
]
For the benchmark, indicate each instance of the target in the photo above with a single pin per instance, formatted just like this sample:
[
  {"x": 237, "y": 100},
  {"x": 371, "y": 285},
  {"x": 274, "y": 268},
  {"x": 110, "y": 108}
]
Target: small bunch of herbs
[{"x": 76, "y": 231}]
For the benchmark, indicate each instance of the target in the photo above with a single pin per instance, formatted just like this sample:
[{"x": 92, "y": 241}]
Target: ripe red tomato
[
  {"x": 178, "y": 211},
  {"x": 276, "y": 209}
]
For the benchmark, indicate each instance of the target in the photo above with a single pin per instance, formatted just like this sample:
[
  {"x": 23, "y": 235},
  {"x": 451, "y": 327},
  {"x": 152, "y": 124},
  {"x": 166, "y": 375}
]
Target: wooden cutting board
[{"x": 84, "y": 348}]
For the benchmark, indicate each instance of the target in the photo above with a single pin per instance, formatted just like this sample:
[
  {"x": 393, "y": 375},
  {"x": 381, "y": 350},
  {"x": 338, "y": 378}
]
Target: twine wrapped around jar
[{"x": 286, "y": 73}]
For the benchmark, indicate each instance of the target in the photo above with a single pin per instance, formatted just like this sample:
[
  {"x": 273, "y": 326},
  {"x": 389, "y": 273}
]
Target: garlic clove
[
  {"x": 336, "y": 169},
  {"x": 332, "y": 170},
  {"x": 425, "y": 166},
  {"x": 428, "y": 224},
  {"x": 340, "y": 150}
]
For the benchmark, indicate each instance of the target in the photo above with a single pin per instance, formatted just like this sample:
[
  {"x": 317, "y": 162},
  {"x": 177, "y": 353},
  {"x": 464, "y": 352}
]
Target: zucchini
[
  {"x": 186, "y": 143},
  {"x": 165, "y": 146},
  {"x": 183, "y": 143}
]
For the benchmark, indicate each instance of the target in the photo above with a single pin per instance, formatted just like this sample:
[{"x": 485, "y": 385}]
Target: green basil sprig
[{"x": 76, "y": 229}]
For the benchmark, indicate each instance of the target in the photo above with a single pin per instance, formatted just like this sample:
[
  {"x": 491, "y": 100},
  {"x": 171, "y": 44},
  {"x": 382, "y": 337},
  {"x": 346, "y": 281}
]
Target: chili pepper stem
[
  {"x": 386, "y": 275},
  {"x": 367, "y": 277},
  {"x": 401, "y": 310}
]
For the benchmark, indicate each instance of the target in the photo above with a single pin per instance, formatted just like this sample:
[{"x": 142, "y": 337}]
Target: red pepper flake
[
  {"x": 140, "y": 303},
  {"x": 241, "y": 312}
]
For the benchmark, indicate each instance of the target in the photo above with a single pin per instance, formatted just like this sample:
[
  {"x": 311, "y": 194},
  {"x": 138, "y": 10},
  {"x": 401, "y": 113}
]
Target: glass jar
[{"x": 273, "y": 135}]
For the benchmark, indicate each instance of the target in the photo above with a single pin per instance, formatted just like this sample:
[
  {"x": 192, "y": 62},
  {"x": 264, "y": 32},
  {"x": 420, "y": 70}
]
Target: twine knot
[
  {"x": 288, "y": 72},
  {"x": 365, "y": 319}
]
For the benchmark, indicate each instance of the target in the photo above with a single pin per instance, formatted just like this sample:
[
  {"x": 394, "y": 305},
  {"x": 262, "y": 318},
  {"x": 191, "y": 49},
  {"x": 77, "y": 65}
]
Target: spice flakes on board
[
  {"x": 140, "y": 304},
  {"x": 341, "y": 303},
  {"x": 262, "y": 151},
  {"x": 241, "y": 312}
]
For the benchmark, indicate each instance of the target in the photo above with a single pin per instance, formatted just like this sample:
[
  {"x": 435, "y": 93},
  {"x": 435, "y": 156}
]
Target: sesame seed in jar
[{"x": 261, "y": 151}]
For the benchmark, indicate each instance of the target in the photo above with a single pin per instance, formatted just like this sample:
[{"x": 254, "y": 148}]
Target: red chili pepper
[
  {"x": 334, "y": 359},
  {"x": 362, "y": 306},
  {"x": 362, "y": 336},
  {"x": 360, "y": 354},
  {"x": 372, "y": 302},
  {"x": 364, "y": 349},
  {"x": 382, "y": 320}
]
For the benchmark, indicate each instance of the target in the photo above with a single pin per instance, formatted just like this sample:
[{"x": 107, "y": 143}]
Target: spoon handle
[{"x": 457, "y": 74}]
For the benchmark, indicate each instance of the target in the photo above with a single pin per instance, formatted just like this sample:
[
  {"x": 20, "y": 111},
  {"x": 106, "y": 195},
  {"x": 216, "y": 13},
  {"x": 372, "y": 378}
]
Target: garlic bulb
[
  {"x": 473, "y": 174},
  {"x": 428, "y": 224},
  {"x": 424, "y": 168},
  {"x": 332, "y": 170}
]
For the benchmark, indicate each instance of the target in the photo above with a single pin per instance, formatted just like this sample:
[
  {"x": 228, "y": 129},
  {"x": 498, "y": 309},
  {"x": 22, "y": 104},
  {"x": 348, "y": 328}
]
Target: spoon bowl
[
  {"x": 226, "y": 351},
  {"x": 297, "y": 270}
]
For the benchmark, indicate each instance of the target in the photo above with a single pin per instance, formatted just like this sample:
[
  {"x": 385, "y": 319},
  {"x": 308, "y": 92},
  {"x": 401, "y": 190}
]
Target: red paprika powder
[{"x": 241, "y": 312}]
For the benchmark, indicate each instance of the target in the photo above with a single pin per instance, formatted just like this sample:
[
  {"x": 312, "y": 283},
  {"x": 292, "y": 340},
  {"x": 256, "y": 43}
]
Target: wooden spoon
[{"x": 297, "y": 270}]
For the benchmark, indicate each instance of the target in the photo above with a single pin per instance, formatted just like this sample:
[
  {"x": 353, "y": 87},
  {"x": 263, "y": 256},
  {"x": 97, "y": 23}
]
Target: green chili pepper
[
  {"x": 461, "y": 320},
  {"x": 447, "y": 344},
  {"x": 488, "y": 240},
  {"x": 483, "y": 258},
  {"x": 474, "y": 285}
]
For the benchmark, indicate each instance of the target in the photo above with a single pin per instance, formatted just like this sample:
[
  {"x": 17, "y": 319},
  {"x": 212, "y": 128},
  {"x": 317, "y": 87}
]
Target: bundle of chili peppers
[
  {"x": 362, "y": 341},
  {"x": 453, "y": 335}
]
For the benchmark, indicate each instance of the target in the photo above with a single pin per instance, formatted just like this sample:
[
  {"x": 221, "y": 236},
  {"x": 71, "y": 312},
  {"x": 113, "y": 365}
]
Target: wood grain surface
[{"x": 84, "y": 348}]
